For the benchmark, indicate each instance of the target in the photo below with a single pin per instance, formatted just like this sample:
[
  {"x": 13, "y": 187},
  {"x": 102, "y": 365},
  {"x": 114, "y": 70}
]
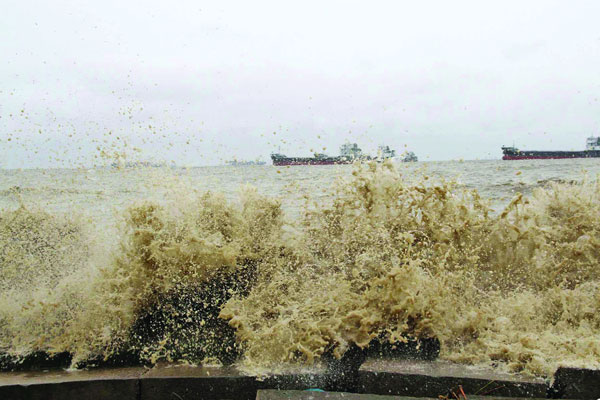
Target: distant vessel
[
  {"x": 384, "y": 152},
  {"x": 242, "y": 163},
  {"x": 592, "y": 150},
  {"x": 139, "y": 164},
  {"x": 349, "y": 153},
  {"x": 409, "y": 156}
]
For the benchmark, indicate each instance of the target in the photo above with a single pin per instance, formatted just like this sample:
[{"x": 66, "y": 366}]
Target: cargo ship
[
  {"x": 349, "y": 153},
  {"x": 592, "y": 150}
]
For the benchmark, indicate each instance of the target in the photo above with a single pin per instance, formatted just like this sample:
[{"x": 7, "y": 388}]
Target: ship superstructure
[
  {"x": 350, "y": 150},
  {"x": 409, "y": 156},
  {"x": 593, "y": 143},
  {"x": 592, "y": 150},
  {"x": 384, "y": 152}
]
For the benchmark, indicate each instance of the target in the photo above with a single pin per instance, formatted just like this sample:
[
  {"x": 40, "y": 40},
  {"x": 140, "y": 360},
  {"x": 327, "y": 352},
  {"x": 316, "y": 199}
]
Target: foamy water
[{"x": 281, "y": 265}]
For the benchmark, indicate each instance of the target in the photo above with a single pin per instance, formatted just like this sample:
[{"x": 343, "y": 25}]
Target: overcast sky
[{"x": 202, "y": 82}]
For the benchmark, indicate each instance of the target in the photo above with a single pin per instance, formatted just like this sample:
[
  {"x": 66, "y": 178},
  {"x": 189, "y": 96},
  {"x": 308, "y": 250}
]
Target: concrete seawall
[{"x": 411, "y": 378}]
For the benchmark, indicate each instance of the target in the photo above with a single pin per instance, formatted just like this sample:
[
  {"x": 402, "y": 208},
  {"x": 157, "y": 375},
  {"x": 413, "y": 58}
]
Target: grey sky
[{"x": 448, "y": 79}]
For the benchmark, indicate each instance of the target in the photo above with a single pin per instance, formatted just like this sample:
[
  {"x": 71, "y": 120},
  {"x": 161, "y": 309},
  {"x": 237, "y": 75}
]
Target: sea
[{"x": 102, "y": 193}]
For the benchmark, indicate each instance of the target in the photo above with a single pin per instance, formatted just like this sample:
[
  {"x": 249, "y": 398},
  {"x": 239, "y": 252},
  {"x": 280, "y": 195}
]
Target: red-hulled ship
[
  {"x": 349, "y": 153},
  {"x": 592, "y": 150}
]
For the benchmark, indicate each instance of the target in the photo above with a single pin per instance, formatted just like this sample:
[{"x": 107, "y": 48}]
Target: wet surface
[
  {"x": 103, "y": 384},
  {"x": 442, "y": 368},
  {"x": 191, "y": 371},
  {"x": 48, "y": 377}
]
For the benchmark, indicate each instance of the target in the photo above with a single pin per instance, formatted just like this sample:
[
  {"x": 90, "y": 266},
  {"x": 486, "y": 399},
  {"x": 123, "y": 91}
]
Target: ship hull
[
  {"x": 549, "y": 155},
  {"x": 349, "y": 153},
  {"x": 287, "y": 161},
  {"x": 292, "y": 161}
]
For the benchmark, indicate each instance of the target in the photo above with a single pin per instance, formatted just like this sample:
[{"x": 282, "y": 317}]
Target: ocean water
[
  {"x": 498, "y": 260},
  {"x": 102, "y": 192}
]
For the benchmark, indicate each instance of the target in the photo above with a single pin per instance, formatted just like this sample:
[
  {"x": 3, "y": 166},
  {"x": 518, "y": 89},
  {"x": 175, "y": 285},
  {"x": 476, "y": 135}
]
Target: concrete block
[
  {"x": 296, "y": 382},
  {"x": 375, "y": 377},
  {"x": 433, "y": 379},
  {"x": 309, "y": 395},
  {"x": 576, "y": 383},
  {"x": 106, "y": 384},
  {"x": 165, "y": 382}
]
